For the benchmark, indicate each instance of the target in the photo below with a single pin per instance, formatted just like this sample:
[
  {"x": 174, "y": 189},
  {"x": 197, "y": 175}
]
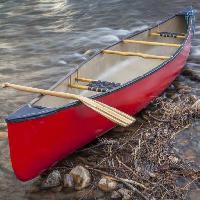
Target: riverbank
[{"x": 144, "y": 161}]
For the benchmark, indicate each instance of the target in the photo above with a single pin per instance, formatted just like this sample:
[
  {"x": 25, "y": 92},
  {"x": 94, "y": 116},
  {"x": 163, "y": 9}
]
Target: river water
[{"x": 42, "y": 40}]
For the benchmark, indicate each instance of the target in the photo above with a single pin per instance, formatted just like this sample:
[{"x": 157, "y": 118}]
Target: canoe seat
[
  {"x": 94, "y": 85},
  {"x": 169, "y": 34},
  {"x": 102, "y": 86}
]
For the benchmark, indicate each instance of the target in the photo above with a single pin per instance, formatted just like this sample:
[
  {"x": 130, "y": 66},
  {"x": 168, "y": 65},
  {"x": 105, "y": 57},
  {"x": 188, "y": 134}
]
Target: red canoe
[{"x": 130, "y": 74}]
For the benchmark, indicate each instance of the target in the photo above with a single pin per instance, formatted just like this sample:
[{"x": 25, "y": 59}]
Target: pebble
[
  {"x": 173, "y": 159},
  {"x": 107, "y": 185},
  {"x": 126, "y": 194},
  {"x": 81, "y": 177},
  {"x": 52, "y": 180},
  {"x": 68, "y": 181},
  {"x": 115, "y": 195}
]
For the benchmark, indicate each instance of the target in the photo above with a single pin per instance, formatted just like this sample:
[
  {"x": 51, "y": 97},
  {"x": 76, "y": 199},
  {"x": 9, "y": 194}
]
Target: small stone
[
  {"x": 115, "y": 195},
  {"x": 68, "y": 181},
  {"x": 107, "y": 185},
  {"x": 152, "y": 175},
  {"x": 173, "y": 159},
  {"x": 81, "y": 177},
  {"x": 126, "y": 194},
  {"x": 52, "y": 180}
]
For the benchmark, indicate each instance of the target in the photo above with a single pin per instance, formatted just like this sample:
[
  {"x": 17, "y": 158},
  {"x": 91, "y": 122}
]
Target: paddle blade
[{"x": 110, "y": 113}]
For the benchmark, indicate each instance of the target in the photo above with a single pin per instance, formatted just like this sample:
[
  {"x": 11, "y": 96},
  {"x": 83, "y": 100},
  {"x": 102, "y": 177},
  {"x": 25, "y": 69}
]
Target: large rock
[
  {"x": 81, "y": 177},
  {"x": 107, "y": 184},
  {"x": 52, "y": 180}
]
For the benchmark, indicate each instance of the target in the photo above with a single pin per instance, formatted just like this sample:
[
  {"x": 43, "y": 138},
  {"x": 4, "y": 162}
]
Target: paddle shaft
[{"x": 42, "y": 91}]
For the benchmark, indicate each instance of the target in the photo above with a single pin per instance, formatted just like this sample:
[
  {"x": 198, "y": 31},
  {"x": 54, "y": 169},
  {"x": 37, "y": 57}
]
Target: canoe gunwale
[{"x": 49, "y": 111}]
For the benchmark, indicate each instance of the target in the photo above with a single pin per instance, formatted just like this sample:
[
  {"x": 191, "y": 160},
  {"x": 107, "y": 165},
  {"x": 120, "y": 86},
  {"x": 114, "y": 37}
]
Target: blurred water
[{"x": 42, "y": 40}]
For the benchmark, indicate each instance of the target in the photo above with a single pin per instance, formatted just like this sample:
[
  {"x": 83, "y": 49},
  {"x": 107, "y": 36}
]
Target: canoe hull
[{"x": 36, "y": 144}]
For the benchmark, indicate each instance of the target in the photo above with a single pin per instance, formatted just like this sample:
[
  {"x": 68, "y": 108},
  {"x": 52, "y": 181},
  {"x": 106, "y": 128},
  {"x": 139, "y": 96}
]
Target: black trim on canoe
[{"x": 28, "y": 112}]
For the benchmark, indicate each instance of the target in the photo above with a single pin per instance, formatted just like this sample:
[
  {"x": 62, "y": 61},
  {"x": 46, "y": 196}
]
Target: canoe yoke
[
  {"x": 104, "y": 86},
  {"x": 94, "y": 85}
]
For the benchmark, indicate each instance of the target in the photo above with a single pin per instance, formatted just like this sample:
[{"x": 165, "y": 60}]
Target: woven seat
[
  {"x": 102, "y": 86},
  {"x": 170, "y": 34}
]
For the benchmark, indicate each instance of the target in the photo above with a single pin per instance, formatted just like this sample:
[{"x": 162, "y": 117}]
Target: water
[{"x": 41, "y": 40}]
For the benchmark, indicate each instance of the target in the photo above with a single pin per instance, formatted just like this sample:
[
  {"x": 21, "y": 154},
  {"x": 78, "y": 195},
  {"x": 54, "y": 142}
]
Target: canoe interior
[{"x": 117, "y": 68}]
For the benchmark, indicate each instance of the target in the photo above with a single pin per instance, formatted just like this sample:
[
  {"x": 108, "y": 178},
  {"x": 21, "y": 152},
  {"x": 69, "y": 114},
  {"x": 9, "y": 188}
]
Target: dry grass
[{"x": 141, "y": 157}]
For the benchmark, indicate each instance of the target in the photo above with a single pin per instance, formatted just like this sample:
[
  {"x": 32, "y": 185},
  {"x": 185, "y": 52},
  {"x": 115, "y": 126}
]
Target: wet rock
[
  {"x": 52, "y": 180},
  {"x": 126, "y": 194},
  {"x": 115, "y": 195},
  {"x": 68, "y": 181},
  {"x": 107, "y": 185},
  {"x": 81, "y": 177}
]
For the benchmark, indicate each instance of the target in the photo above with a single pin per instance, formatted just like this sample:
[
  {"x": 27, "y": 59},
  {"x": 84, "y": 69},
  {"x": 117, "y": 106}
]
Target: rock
[
  {"x": 126, "y": 194},
  {"x": 81, "y": 177},
  {"x": 107, "y": 185},
  {"x": 173, "y": 159},
  {"x": 52, "y": 180},
  {"x": 68, "y": 181},
  {"x": 115, "y": 195},
  {"x": 152, "y": 175}
]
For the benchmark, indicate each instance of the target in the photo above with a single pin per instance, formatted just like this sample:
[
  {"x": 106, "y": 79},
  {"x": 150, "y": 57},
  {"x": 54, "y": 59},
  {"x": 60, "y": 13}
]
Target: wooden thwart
[
  {"x": 109, "y": 112},
  {"x": 125, "y": 53},
  {"x": 158, "y": 34},
  {"x": 77, "y": 86},
  {"x": 87, "y": 80},
  {"x": 151, "y": 43}
]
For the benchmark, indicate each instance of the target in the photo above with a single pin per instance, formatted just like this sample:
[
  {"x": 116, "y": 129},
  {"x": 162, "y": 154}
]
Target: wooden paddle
[{"x": 109, "y": 112}]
